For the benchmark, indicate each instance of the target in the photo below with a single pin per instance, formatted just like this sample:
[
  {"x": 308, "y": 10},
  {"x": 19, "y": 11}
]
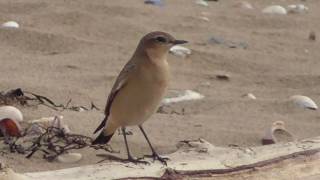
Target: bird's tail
[
  {"x": 107, "y": 133},
  {"x": 102, "y": 138}
]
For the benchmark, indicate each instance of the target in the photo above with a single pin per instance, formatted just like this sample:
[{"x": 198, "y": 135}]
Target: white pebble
[
  {"x": 275, "y": 9},
  {"x": 304, "y": 102},
  {"x": 69, "y": 157},
  {"x": 11, "y": 113},
  {"x": 180, "y": 51},
  {"x": 10, "y": 24}
]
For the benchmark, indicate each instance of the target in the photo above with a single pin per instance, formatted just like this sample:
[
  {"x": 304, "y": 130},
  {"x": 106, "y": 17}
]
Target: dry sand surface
[{"x": 75, "y": 49}]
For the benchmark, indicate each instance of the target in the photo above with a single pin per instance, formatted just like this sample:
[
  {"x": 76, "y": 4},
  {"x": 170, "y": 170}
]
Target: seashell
[
  {"x": 202, "y": 3},
  {"x": 10, "y": 24},
  {"x": 10, "y": 127},
  {"x": 277, "y": 134},
  {"x": 186, "y": 96},
  {"x": 180, "y": 51},
  {"x": 10, "y": 112},
  {"x": 275, "y": 9},
  {"x": 304, "y": 102},
  {"x": 69, "y": 157},
  {"x": 250, "y": 96},
  {"x": 297, "y": 8}
]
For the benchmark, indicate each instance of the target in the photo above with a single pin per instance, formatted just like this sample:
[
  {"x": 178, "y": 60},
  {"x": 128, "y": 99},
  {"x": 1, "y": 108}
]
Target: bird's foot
[
  {"x": 136, "y": 161},
  {"x": 156, "y": 157}
]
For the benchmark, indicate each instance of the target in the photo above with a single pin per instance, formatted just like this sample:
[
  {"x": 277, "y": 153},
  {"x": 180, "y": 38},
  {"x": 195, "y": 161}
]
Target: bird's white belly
[{"x": 136, "y": 102}]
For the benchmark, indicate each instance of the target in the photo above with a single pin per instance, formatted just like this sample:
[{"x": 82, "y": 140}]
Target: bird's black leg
[
  {"x": 130, "y": 158},
  {"x": 154, "y": 155}
]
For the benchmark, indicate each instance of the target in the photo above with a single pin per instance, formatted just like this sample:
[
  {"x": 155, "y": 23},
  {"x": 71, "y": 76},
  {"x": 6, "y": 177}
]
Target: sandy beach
[{"x": 75, "y": 49}]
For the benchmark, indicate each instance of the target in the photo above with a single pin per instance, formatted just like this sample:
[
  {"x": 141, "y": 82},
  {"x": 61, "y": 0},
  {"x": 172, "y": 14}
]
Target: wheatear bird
[{"x": 138, "y": 90}]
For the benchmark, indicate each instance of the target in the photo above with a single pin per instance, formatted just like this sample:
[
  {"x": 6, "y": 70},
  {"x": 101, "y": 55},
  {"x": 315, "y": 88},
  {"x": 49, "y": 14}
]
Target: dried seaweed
[
  {"x": 52, "y": 143},
  {"x": 25, "y": 98}
]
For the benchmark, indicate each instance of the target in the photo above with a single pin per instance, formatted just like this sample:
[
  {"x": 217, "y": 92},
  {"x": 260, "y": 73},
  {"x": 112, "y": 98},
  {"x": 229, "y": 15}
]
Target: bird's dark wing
[{"x": 118, "y": 85}]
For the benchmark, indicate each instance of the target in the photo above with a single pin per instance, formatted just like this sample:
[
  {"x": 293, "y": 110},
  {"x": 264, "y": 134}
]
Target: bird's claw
[
  {"x": 137, "y": 161},
  {"x": 156, "y": 157}
]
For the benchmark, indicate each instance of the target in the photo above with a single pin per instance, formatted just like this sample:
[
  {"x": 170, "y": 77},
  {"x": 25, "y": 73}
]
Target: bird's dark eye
[{"x": 161, "y": 39}]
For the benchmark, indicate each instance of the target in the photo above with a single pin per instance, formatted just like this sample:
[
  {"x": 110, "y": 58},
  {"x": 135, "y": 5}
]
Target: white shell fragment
[
  {"x": 10, "y": 24},
  {"x": 11, "y": 113},
  {"x": 69, "y": 157},
  {"x": 275, "y": 9},
  {"x": 185, "y": 96},
  {"x": 250, "y": 96},
  {"x": 304, "y": 102},
  {"x": 203, "y": 18},
  {"x": 277, "y": 133},
  {"x": 180, "y": 51},
  {"x": 202, "y": 3},
  {"x": 297, "y": 8}
]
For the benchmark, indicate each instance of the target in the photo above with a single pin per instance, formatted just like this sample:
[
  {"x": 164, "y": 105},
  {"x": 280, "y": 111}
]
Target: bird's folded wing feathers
[{"x": 118, "y": 85}]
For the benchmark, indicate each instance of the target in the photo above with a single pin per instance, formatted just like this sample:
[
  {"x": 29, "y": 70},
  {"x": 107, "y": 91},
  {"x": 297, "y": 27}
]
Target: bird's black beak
[{"x": 175, "y": 42}]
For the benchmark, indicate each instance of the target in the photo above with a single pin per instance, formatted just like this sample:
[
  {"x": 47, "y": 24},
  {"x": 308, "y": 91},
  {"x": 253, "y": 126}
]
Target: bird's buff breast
[{"x": 138, "y": 100}]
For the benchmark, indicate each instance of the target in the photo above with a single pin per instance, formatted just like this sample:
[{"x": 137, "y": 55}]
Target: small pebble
[
  {"x": 154, "y": 2},
  {"x": 224, "y": 77},
  {"x": 312, "y": 36}
]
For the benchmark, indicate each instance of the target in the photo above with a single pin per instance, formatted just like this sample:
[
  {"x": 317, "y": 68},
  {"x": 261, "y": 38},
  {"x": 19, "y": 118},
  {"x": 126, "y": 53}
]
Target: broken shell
[
  {"x": 304, "y": 102},
  {"x": 10, "y": 127},
  {"x": 297, "y": 8},
  {"x": 186, "y": 96},
  {"x": 10, "y": 24},
  {"x": 10, "y": 112},
  {"x": 69, "y": 157},
  {"x": 275, "y": 9},
  {"x": 277, "y": 134},
  {"x": 180, "y": 51},
  {"x": 250, "y": 96},
  {"x": 204, "y": 18},
  {"x": 202, "y": 3}
]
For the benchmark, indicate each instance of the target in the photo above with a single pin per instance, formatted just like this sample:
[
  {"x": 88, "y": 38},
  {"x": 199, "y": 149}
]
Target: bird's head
[{"x": 158, "y": 43}]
